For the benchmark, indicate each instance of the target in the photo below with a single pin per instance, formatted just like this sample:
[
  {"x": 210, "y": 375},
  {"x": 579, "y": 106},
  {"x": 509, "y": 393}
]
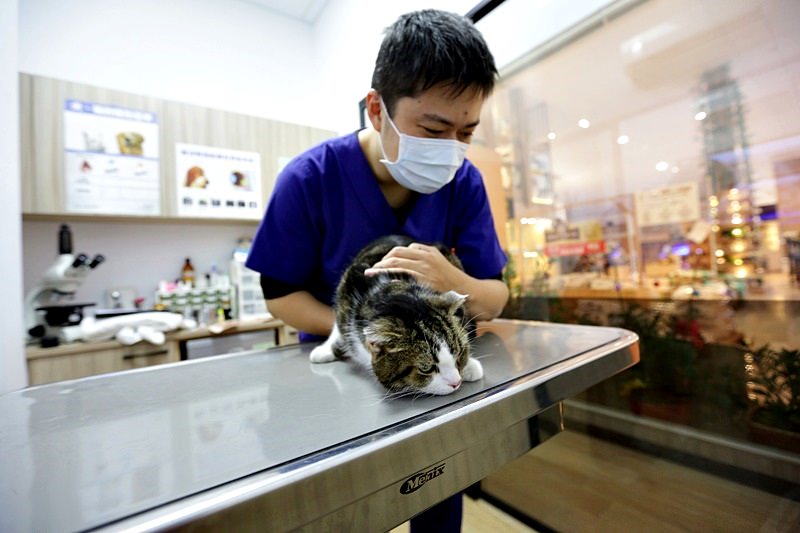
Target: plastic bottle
[{"x": 187, "y": 272}]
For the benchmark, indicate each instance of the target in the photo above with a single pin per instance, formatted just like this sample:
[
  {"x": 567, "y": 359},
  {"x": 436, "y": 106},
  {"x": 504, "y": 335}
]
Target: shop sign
[
  {"x": 563, "y": 233},
  {"x": 668, "y": 205},
  {"x": 575, "y": 248}
]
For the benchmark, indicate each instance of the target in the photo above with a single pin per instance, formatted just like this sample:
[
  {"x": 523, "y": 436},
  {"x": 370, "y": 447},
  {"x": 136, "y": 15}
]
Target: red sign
[{"x": 575, "y": 248}]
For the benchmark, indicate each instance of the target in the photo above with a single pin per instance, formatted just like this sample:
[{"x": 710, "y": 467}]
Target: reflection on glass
[{"x": 650, "y": 178}]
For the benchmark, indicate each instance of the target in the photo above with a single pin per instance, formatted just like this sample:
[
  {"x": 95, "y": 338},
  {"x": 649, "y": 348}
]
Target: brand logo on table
[{"x": 416, "y": 481}]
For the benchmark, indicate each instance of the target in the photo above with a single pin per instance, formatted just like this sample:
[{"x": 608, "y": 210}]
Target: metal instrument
[
  {"x": 266, "y": 441},
  {"x": 45, "y": 307}
]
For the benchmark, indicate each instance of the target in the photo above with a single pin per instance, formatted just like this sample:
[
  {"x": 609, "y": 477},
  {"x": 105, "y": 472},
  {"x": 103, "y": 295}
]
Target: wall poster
[
  {"x": 110, "y": 159},
  {"x": 668, "y": 205},
  {"x": 218, "y": 182}
]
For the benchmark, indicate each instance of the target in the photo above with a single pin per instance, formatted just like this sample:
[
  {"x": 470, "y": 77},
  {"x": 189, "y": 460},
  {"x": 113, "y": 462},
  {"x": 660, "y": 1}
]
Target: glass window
[{"x": 647, "y": 175}]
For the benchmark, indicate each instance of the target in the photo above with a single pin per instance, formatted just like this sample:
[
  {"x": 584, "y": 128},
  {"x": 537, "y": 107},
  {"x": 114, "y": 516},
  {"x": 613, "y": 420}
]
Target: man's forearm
[
  {"x": 303, "y": 312},
  {"x": 486, "y": 297}
]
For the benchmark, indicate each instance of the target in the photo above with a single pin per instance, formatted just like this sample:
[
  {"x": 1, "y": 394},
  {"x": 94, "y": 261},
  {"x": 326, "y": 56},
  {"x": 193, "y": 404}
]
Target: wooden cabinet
[
  {"x": 78, "y": 360},
  {"x": 72, "y": 366},
  {"x": 42, "y": 102},
  {"x": 287, "y": 335},
  {"x": 46, "y": 365},
  {"x": 142, "y": 355}
]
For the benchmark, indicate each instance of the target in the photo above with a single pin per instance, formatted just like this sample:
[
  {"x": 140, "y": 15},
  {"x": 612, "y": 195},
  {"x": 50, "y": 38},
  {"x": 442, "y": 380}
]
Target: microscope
[{"x": 47, "y": 306}]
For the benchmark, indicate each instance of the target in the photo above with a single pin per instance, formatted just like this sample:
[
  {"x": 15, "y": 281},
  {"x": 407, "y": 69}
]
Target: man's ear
[{"x": 374, "y": 109}]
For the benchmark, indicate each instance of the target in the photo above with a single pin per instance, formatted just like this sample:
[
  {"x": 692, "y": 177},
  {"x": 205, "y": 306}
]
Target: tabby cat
[{"x": 412, "y": 337}]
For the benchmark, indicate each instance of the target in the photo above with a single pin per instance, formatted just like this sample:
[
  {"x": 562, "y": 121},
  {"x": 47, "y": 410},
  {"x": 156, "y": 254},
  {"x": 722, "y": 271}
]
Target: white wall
[
  {"x": 12, "y": 361},
  {"x": 223, "y": 54},
  {"x": 348, "y": 34},
  {"x": 138, "y": 256},
  {"x": 237, "y": 56}
]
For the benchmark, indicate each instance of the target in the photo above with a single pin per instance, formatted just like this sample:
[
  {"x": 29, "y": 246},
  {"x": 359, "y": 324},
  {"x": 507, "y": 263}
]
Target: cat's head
[{"x": 419, "y": 344}]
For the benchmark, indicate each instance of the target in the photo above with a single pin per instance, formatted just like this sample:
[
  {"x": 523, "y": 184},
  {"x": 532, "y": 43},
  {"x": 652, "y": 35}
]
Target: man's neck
[{"x": 396, "y": 195}]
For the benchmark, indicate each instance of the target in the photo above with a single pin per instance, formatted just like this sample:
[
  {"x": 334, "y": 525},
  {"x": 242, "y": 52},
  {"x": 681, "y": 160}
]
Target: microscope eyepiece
[{"x": 80, "y": 260}]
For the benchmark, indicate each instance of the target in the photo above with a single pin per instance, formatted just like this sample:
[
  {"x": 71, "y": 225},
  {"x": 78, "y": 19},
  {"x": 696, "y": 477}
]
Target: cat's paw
[
  {"x": 322, "y": 354},
  {"x": 473, "y": 370}
]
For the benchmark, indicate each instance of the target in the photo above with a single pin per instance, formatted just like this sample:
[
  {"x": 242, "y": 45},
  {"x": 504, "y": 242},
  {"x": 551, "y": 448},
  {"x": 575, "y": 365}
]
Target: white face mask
[{"x": 423, "y": 165}]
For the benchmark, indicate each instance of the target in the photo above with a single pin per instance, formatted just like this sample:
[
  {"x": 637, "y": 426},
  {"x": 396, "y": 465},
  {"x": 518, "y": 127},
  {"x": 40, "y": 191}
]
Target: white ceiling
[{"x": 303, "y": 10}]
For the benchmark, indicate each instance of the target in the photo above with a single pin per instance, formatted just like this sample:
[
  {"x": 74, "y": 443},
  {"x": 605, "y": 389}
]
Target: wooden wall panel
[{"x": 42, "y": 138}]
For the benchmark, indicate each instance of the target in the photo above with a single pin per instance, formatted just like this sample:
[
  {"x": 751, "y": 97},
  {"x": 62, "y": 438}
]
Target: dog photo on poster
[{"x": 218, "y": 182}]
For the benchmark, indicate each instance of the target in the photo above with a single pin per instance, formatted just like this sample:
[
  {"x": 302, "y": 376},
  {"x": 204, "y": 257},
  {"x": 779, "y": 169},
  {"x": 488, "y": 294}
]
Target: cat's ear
[
  {"x": 453, "y": 300},
  {"x": 374, "y": 341}
]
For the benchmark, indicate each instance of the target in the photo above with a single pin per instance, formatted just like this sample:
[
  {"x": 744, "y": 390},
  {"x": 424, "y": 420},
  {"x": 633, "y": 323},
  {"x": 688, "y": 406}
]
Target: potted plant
[
  {"x": 773, "y": 390},
  {"x": 528, "y": 298},
  {"x": 660, "y": 386}
]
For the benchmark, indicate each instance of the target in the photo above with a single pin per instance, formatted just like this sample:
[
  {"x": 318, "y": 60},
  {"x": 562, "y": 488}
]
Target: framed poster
[
  {"x": 111, "y": 159},
  {"x": 668, "y": 205},
  {"x": 218, "y": 182}
]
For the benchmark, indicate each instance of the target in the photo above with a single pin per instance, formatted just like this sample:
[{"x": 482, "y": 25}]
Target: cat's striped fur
[{"x": 411, "y": 336}]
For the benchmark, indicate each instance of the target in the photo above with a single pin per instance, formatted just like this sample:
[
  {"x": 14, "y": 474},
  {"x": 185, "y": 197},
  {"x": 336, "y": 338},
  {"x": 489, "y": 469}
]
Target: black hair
[{"x": 426, "y": 48}]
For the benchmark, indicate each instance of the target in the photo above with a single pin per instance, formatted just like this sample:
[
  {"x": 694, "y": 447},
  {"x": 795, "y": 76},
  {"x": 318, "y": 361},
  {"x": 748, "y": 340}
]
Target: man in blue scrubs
[{"x": 405, "y": 175}]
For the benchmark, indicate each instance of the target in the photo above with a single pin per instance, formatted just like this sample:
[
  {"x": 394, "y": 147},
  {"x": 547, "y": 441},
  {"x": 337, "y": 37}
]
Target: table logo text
[{"x": 420, "y": 478}]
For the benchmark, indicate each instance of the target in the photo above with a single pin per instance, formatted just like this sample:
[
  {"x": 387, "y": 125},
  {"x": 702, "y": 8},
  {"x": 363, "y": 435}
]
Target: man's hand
[
  {"x": 426, "y": 264},
  {"x": 486, "y": 297}
]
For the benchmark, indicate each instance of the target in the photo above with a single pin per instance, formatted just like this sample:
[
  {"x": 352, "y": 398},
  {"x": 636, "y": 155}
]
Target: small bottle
[
  {"x": 213, "y": 276},
  {"x": 225, "y": 303},
  {"x": 187, "y": 272},
  {"x": 64, "y": 240}
]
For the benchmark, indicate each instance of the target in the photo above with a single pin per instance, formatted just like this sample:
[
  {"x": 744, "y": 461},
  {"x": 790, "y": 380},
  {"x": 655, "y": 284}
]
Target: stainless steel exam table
[{"x": 266, "y": 441}]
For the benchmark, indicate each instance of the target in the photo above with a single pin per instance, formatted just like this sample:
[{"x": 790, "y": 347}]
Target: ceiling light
[
  {"x": 551, "y": 136},
  {"x": 583, "y": 123},
  {"x": 675, "y": 169},
  {"x": 623, "y": 139},
  {"x": 701, "y": 115},
  {"x": 662, "y": 166}
]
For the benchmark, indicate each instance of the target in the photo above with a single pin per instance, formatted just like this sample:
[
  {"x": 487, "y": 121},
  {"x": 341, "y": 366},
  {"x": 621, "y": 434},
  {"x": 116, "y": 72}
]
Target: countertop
[
  {"x": 231, "y": 328},
  {"x": 162, "y": 446}
]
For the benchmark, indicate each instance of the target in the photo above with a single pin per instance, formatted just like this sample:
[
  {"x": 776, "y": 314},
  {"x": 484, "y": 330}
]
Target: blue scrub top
[{"x": 327, "y": 205}]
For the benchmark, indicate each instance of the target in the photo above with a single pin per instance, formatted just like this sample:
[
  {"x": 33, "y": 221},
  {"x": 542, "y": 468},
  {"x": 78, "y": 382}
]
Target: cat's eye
[{"x": 426, "y": 368}]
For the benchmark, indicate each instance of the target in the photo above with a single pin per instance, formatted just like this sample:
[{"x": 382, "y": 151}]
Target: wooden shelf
[{"x": 78, "y": 217}]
